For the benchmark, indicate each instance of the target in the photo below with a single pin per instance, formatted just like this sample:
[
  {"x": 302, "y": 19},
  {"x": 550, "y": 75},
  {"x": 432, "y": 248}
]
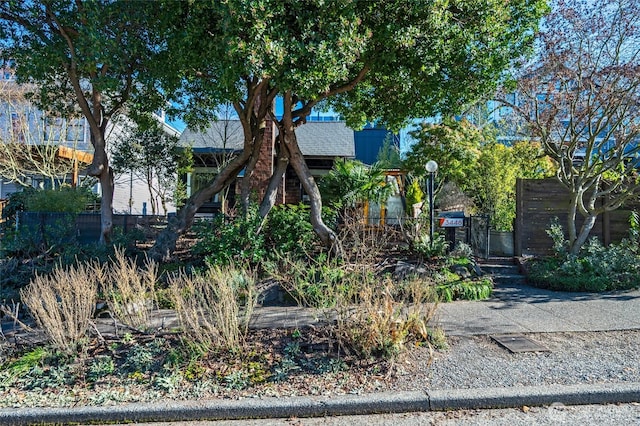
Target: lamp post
[{"x": 431, "y": 168}]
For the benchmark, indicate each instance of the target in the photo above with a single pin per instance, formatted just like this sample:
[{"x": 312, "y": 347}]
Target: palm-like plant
[{"x": 351, "y": 182}]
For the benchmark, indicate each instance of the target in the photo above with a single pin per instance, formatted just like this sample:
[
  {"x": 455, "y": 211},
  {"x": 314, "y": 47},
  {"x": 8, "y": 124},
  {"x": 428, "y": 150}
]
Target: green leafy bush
[
  {"x": 465, "y": 290},
  {"x": 429, "y": 249},
  {"x": 596, "y": 268},
  {"x": 63, "y": 200},
  {"x": 289, "y": 230},
  {"x": 223, "y": 241}
]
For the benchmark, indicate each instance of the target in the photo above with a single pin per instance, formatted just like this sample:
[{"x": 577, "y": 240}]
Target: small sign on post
[
  {"x": 451, "y": 222},
  {"x": 451, "y": 219}
]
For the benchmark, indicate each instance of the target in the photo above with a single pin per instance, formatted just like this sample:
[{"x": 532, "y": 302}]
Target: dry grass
[
  {"x": 215, "y": 307},
  {"x": 380, "y": 325},
  {"x": 63, "y": 302},
  {"x": 364, "y": 243},
  {"x": 130, "y": 291}
]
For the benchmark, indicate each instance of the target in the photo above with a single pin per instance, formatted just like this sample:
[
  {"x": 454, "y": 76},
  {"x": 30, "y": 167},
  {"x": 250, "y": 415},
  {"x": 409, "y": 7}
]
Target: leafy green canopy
[
  {"x": 370, "y": 59},
  {"x": 478, "y": 164},
  {"x": 454, "y": 145},
  {"x": 104, "y": 49}
]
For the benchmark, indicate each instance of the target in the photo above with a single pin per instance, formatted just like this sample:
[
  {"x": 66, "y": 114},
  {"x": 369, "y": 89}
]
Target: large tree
[
  {"x": 581, "y": 99},
  {"x": 484, "y": 169},
  {"x": 385, "y": 60},
  {"x": 85, "y": 57},
  {"x": 453, "y": 144}
]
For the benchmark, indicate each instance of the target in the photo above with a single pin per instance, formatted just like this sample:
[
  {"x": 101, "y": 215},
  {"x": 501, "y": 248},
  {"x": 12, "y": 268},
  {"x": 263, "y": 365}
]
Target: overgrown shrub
[
  {"x": 63, "y": 302},
  {"x": 223, "y": 241},
  {"x": 289, "y": 230},
  {"x": 63, "y": 200},
  {"x": 596, "y": 268},
  {"x": 214, "y": 307}
]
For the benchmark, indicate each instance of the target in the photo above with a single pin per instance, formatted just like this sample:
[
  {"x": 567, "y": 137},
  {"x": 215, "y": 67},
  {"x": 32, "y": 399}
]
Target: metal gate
[{"x": 477, "y": 235}]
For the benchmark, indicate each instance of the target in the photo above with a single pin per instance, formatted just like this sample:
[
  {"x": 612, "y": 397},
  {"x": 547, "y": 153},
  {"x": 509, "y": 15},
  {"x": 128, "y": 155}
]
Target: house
[
  {"x": 63, "y": 145},
  {"x": 131, "y": 190},
  {"x": 321, "y": 143}
]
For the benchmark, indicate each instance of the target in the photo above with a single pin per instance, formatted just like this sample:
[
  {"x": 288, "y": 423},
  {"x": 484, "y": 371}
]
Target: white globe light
[{"x": 431, "y": 166}]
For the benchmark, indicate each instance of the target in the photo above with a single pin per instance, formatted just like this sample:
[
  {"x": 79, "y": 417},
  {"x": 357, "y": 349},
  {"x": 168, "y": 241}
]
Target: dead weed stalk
[
  {"x": 214, "y": 308},
  {"x": 130, "y": 290},
  {"x": 380, "y": 325},
  {"x": 63, "y": 302}
]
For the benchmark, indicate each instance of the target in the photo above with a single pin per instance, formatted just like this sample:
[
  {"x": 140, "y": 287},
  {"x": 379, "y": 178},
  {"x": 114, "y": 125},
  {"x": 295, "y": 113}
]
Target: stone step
[
  {"x": 491, "y": 268},
  {"x": 509, "y": 279},
  {"x": 503, "y": 270}
]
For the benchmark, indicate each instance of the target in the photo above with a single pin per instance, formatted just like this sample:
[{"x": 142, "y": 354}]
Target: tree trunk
[
  {"x": 100, "y": 169},
  {"x": 327, "y": 236},
  {"x": 166, "y": 242},
  {"x": 245, "y": 184},
  {"x": 585, "y": 230},
  {"x": 106, "y": 206},
  {"x": 571, "y": 218},
  {"x": 270, "y": 194}
]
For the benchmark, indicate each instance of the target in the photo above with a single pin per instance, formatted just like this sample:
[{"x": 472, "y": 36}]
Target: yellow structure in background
[
  {"x": 77, "y": 157},
  {"x": 380, "y": 215}
]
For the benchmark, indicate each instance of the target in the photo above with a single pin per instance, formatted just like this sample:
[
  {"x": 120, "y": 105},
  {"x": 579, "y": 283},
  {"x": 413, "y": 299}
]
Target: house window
[
  {"x": 52, "y": 128},
  {"x": 75, "y": 131}
]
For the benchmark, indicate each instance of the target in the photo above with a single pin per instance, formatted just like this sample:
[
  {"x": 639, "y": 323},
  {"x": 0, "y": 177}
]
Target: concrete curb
[
  {"x": 397, "y": 402},
  {"x": 458, "y": 399}
]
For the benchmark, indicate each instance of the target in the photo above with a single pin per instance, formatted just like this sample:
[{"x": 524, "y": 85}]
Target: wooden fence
[{"x": 539, "y": 201}]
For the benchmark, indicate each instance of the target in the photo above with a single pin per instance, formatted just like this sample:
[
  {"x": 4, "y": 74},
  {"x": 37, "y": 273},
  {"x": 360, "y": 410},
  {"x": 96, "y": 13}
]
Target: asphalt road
[{"x": 578, "y": 415}]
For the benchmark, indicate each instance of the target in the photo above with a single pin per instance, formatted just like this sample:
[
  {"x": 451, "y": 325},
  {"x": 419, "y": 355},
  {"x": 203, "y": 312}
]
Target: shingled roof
[
  {"x": 316, "y": 139},
  {"x": 223, "y": 135}
]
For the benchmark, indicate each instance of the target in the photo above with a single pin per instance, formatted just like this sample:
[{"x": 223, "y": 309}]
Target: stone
[{"x": 461, "y": 271}]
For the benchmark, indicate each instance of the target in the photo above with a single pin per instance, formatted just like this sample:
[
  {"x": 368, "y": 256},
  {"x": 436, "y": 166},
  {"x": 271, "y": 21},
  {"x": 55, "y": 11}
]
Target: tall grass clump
[
  {"x": 215, "y": 307},
  {"x": 63, "y": 302},
  {"x": 380, "y": 324},
  {"x": 129, "y": 290}
]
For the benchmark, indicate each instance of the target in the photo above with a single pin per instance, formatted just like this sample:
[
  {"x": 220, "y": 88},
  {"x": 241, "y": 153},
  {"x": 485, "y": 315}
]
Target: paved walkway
[
  {"x": 518, "y": 308},
  {"x": 514, "y": 308}
]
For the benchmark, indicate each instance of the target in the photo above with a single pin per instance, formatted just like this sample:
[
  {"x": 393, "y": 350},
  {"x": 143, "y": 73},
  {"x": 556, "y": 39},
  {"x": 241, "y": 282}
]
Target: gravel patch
[{"x": 574, "y": 358}]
